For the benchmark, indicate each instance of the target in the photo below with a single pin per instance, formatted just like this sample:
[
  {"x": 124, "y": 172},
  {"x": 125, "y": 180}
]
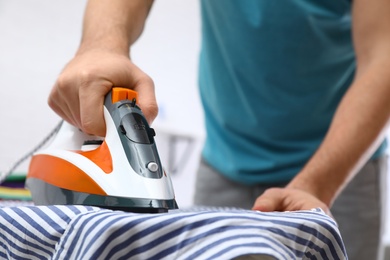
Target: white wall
[{"x": 38, "y": 37}]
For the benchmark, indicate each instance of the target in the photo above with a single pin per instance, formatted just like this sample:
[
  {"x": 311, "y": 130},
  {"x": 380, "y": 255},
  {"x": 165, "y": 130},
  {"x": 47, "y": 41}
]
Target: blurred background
[{"x": 37, "y": 38}]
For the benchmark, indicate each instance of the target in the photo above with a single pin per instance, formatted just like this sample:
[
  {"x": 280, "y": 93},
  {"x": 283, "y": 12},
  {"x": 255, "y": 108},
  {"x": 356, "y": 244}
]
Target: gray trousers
[{"x": 357, "y": 210}]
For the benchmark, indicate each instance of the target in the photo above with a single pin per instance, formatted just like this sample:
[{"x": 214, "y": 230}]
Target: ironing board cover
[{"x": 83, "y": 232}]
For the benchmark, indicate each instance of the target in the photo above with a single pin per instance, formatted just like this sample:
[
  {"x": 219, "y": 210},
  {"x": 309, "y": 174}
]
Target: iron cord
[{"x": 45, "y": 140}]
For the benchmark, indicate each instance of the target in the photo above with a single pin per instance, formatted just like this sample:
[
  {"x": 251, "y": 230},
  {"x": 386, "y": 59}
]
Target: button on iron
[{"x": 152, "y": 166}]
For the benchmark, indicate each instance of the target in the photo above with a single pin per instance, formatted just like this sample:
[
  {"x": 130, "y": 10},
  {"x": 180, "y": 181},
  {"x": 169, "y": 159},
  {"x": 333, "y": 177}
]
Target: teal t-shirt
[{"x": 271, "y": 75}]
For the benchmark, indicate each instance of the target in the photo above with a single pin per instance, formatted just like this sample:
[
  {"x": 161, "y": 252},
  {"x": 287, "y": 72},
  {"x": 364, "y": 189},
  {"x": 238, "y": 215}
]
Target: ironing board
[{"x": 83, "y": 232}]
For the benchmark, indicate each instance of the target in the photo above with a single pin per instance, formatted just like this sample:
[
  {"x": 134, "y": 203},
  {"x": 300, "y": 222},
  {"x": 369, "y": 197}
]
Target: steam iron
[{"x": 121, "y": 171}]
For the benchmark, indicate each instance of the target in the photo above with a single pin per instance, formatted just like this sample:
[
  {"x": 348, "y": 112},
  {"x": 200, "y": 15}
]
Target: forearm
[
  {"x": 359, "y": 124},
  {"x": 113, "y": 25},
  {"x": 356, "y": 131}
]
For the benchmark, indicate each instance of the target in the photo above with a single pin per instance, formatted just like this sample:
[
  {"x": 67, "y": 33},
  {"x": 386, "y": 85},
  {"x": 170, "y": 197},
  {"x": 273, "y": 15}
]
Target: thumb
[
  {"x": 270, "y": 200},
  {"x": 147, "y": 98},
  {"x": 140, "y": 82}
]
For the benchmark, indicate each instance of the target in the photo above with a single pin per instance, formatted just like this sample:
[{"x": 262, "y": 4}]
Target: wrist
[{"x": 115, "y": 46}]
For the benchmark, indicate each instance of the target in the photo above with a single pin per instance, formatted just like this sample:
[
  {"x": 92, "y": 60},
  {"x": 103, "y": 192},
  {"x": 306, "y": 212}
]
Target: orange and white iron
[{"x": 121, "y": 171}]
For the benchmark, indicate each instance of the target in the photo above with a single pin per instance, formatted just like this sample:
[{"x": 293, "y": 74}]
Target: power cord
[{"x": 5, "y": 174}]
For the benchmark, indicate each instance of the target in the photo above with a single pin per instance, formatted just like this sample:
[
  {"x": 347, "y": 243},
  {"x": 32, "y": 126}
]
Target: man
[{"x": 295, "y": 94}]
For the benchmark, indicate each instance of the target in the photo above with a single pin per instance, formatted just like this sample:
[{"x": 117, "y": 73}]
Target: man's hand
[
  {"x": 79, "y": 92},
  {"x": 102, "y": 62},
  {"x": 288, "y": 199}
]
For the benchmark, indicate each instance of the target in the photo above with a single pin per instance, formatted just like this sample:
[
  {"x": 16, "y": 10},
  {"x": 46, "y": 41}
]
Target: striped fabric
[{"x": 82, "y": 232}]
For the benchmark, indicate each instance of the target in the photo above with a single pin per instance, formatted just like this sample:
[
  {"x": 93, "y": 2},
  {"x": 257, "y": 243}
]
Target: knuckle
[
  {"x": 62, "y": 83},
  {"x": 54, "y": 100},
  {"x": 68, "y": 81},
  {"x": 52, "y": 104},
  {"x": 86, "y": 76}
]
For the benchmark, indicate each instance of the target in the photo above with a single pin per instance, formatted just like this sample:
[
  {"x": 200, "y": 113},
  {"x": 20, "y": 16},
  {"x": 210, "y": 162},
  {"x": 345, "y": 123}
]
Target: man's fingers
[
  {"x": 79, "y": 92},
  {"x": 61, "y": 108},
  {"x": 146, "y": 98},
  {"x": 132, "y": 77},
  {"x": 149, "y": 108},
  {"x": 91, "y": 107},
  {"x": 270, "y": 200},
  {"x": 287, "y": 199}
]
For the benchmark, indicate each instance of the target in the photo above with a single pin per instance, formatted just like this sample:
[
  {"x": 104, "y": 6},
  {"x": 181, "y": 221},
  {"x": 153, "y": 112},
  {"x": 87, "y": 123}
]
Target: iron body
[{"x": 121, "y": 171}]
